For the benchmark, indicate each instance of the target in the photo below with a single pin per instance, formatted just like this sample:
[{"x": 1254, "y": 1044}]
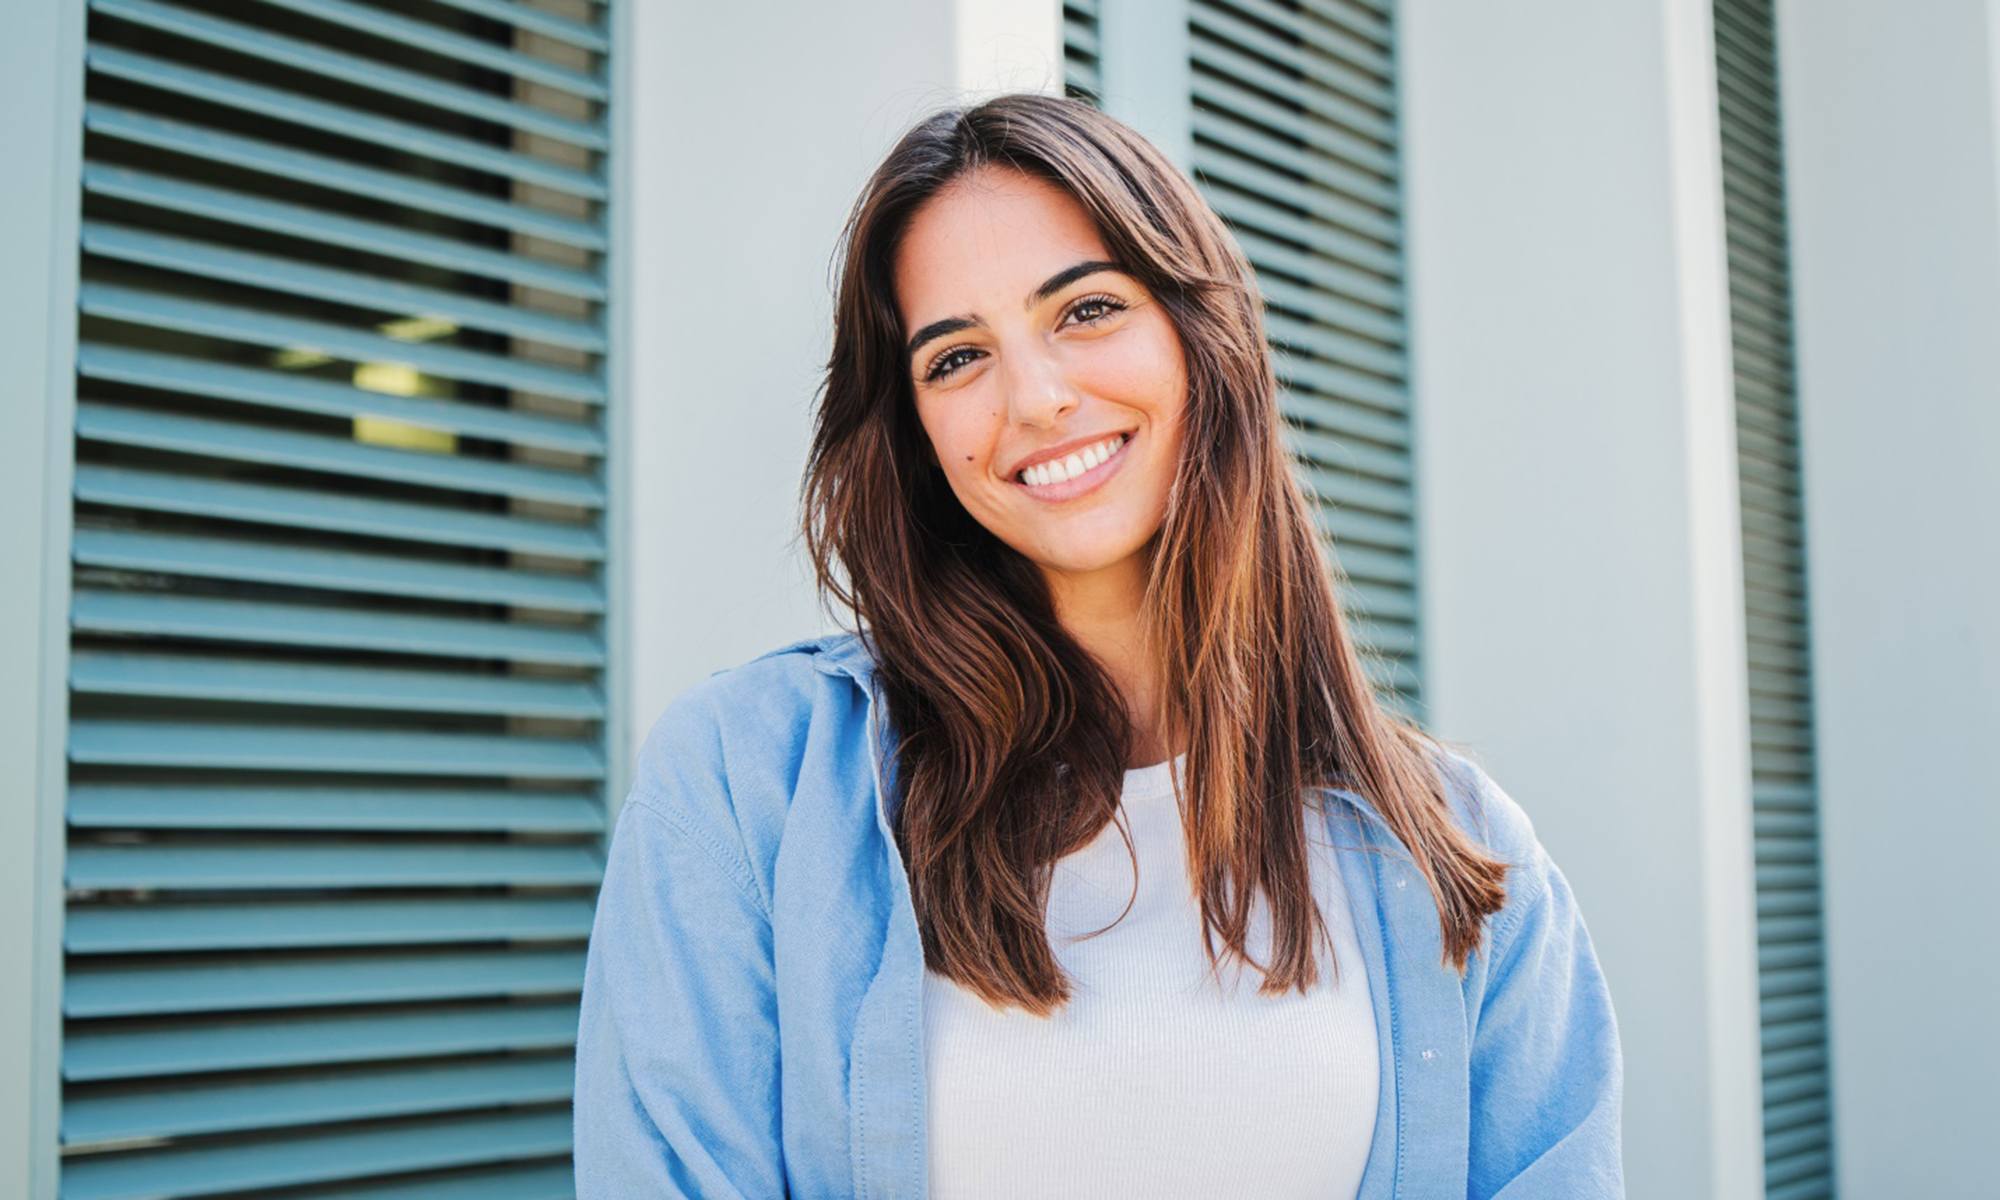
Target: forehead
[{"x": 986, "y": 240}]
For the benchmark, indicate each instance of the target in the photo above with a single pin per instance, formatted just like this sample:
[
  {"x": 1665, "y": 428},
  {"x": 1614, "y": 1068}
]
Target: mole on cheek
[{"x": 968, "y": 458}]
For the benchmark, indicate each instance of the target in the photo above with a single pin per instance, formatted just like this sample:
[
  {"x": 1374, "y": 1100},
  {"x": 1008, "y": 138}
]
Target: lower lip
[{"x": 1089, "y": 481}]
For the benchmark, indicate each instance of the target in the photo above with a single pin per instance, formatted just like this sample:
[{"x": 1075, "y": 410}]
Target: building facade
[{"x": 411, "y": 399}]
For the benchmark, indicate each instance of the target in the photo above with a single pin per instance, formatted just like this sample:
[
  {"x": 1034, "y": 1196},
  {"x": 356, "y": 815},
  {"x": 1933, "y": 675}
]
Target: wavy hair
[{"x": 1012, "y": 739}]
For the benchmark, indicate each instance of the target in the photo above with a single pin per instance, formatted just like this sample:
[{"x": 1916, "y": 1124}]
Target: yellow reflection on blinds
[
  {"x": 397, "y": 379},
  {"x": 418, "y": 329},
  {"x": 401, "y": 379},
  {"x": 297, "y": 358},
  {"x": 380, "y": 431}
]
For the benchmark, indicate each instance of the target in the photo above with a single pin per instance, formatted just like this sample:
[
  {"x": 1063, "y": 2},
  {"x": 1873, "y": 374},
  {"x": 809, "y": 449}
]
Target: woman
[{"x": 959, "y": 904}]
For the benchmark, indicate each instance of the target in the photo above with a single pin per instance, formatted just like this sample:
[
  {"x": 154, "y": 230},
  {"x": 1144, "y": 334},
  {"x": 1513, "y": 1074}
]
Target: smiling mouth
[{"x": 1038, "y": 482}]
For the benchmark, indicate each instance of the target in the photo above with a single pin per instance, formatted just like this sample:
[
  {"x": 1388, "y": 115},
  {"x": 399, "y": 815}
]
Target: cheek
[
  {"x": 962, "y": 437},
  {"x": 1143, "y": 367}
]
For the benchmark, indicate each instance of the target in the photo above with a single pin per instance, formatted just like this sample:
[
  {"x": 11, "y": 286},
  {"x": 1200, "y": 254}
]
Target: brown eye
[
  {"x": 948, "y": 363},
  {"x": 1096, "y": 307}
]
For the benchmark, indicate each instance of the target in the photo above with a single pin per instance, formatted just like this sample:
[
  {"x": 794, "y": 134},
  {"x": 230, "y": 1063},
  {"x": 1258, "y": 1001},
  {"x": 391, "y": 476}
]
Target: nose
[{"x": 1038, "y": 393}]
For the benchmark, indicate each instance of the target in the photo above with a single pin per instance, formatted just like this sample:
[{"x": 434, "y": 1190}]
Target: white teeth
[{"x": 1076, "y": 464}]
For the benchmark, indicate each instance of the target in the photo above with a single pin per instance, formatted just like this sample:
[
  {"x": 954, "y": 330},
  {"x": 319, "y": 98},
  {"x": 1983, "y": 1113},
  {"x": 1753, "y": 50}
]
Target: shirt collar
[{"x": 846, "y": 653}]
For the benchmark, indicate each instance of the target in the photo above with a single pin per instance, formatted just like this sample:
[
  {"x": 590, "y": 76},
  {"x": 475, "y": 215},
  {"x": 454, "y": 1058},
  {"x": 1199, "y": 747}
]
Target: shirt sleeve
[
  {"x": 677, "y": 1063},
  {"x": 1547, "y": 1071}
]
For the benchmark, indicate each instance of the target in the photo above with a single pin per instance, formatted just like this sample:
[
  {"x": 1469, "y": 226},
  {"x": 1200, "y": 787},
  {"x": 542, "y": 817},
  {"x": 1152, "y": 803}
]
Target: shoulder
[
  {"x": 770, "y": 693},
  {"x": 1498, "y": 824},
  {"x": 720, "y": 760}
]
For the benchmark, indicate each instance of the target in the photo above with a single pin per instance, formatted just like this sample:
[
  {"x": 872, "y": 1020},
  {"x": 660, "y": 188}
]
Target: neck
[{"x": 1103, "y": 611}]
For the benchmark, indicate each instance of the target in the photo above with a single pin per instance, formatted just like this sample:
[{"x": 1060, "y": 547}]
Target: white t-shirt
[{"x": 1155, "y": 1080}]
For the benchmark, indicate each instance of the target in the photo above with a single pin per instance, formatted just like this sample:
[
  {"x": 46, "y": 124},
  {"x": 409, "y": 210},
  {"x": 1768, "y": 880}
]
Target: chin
[{"x": 1084, "y": 560}]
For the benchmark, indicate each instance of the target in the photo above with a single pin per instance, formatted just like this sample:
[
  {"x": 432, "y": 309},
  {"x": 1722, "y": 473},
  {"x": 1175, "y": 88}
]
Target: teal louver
[
  {"x": 1293, "y": 111},
  {"x": 1798, "y": 1117},
  {"x": 1295, "y": 144},
  {"x": 338, "y": 771},
  {"x": 1079, "y": 29}
]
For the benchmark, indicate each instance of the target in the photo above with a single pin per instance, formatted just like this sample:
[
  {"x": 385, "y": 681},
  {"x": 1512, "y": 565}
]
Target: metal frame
[
  {"x": 42, "y": 65},
  {"x": 1144, "y": 68},
  {"x": 619, "y": 740}
]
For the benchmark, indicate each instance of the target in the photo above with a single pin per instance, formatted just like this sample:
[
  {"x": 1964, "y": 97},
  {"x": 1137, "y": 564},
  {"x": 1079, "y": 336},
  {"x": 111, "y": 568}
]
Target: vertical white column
[
  {"x": 750, "y": 130},
  {"x": 41, "y": 87},
  {"x": 1892, "y": 121},
  {"x": 1146, "y": 72},
  {"x": 1006, "y": 46},
  {"x": 1580, "y": 552}
]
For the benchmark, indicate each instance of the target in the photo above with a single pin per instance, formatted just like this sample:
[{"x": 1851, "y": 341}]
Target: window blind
[
  {"x": 337, "y": 740},
  {"x": 1296, "y": 146},
  {"x": 1293, "y": 112},
  {"x": 1798, "y": 1147}
]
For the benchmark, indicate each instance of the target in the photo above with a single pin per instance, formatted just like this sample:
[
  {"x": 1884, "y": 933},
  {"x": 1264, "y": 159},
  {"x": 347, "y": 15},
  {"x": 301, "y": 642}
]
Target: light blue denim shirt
[{"x": 751, "y": 1021}]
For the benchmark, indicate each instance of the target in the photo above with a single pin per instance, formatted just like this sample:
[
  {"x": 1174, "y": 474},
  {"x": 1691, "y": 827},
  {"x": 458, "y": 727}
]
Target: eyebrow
[{"x": 1050, "y": 286}]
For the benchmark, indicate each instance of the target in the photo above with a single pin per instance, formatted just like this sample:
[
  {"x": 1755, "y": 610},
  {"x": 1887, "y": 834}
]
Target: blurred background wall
[{"x": 410, "y": 399}]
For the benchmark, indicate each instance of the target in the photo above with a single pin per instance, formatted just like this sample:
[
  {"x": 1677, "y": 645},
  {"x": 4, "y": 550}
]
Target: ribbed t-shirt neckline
[{"x": 1153, "y": 780}]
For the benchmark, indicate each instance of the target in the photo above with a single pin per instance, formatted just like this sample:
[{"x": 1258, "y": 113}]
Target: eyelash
[{"x": 1111, "y": 304}]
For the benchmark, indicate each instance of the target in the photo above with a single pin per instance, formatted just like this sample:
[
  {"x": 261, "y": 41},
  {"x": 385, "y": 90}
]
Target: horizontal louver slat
[
  {"x": 159, "y": 491},
  {"x": 233, "y": 1106},
  {"x": 327, "y": 863},
  {"x": 295, "y": 807},
  {"x": 290, "y": 806},
  {"x": 318, "y": 1155},
  {"x": 267, "y": 924},
  {"x": 148, "y": 988},
  {"x": 273, "y": 562},
  {"x": 246, "y": 747},
  {"x": 180, "y": 1046},
  {"x": 188, "y": 677},
  {"x": 513, "y": 1181},
  {"x": 341, "y": 628}
]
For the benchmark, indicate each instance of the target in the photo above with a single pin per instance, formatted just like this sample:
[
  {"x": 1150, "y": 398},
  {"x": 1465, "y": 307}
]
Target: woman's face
[{"x": 1028, "y": 348}]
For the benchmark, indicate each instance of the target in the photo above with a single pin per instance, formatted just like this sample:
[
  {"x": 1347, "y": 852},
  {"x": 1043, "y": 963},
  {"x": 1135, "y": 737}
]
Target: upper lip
[{"x": 1062, "y": 451}]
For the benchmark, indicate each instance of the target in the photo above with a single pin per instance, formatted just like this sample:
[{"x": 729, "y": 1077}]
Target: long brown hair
[{"x": 1013, "y": 739}]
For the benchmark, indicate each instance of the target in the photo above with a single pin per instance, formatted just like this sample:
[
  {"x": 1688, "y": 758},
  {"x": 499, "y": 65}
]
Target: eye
[
  {"x": 1102, "y": 305},
  {"x": 947, "y": 363}
]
